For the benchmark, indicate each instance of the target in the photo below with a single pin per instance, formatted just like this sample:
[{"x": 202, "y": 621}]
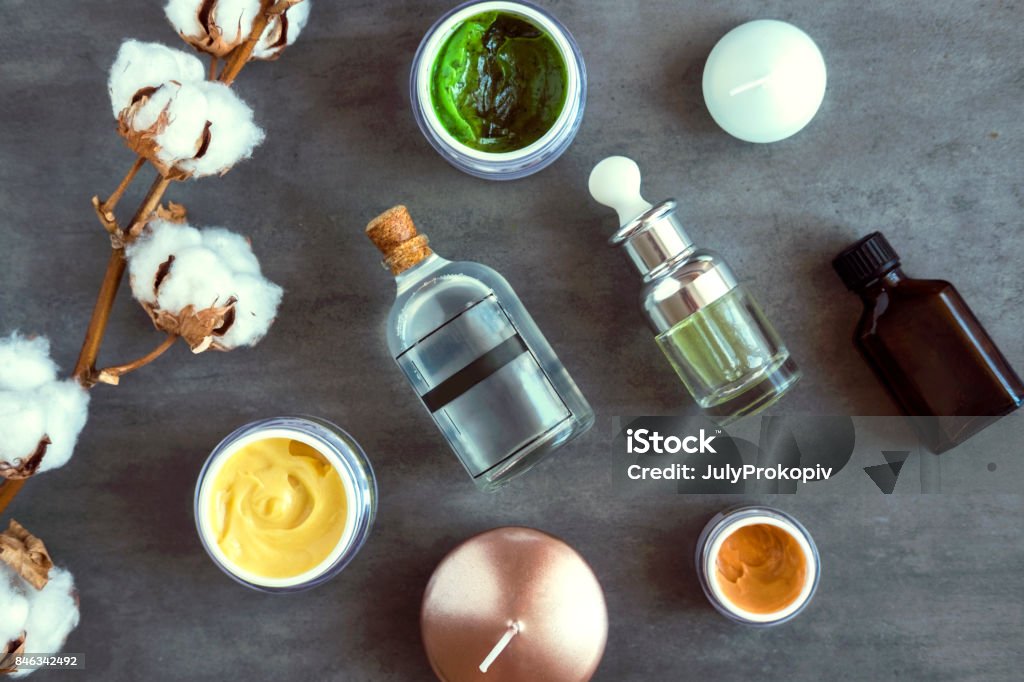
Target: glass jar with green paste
[{"x": 499, "y": 88}]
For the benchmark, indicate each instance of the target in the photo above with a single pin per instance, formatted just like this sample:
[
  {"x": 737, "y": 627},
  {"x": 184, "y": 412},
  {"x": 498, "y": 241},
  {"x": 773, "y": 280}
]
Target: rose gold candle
[{"x": 514, "y": 605}]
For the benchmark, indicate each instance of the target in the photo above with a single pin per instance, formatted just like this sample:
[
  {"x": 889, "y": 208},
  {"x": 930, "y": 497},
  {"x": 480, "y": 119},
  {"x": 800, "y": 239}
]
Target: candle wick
[
  {"x": 750, "y": 86},
  {"x": 512, "y": 631}
]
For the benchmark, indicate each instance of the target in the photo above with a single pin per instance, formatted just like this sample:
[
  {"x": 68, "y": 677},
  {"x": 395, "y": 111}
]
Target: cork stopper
[{"x": 394, "y": 233}]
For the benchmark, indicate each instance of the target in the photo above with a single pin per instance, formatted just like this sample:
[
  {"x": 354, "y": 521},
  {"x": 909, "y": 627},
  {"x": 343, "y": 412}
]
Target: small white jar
[
  {"x": 507, "y": 165},
  {"x": 709, "y": 546}
]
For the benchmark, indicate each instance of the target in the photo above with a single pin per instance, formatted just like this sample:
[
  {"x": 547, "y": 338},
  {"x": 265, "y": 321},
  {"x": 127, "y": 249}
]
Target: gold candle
[{"x": 514, "y": 605}]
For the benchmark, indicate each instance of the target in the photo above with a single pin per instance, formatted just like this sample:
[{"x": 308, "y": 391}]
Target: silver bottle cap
[
  {"x": 697, "y": 283},
  {"x": 653, "y": 239},
  {"x": 680, "y": 280}
]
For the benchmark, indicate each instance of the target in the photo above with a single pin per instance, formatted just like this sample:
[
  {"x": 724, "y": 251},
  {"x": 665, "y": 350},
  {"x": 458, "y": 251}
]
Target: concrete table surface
[{"x": 920, "y": 135}]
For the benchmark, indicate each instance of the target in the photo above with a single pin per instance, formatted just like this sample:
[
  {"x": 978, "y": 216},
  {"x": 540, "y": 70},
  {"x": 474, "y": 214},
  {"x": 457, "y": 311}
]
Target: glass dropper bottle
[{"x": 708, "y": 324}]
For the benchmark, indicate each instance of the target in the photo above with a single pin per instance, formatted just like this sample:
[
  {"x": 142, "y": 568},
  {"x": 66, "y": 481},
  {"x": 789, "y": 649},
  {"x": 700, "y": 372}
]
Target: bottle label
[
  {"x": 483, "y": 385},
  {"x": 475, "y": 372}
]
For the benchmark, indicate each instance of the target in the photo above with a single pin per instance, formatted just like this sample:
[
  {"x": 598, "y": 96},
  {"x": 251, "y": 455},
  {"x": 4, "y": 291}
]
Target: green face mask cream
[
  {"x": 498, "y": 88},
  {"x": 498, "y": 82}
]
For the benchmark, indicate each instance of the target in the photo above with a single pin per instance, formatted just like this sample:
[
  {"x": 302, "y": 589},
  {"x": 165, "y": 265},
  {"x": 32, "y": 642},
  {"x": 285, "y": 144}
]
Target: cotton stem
[
  {"x": 240, "y": 55},
  {"x": 115, "y": 197},
  {"x": 105, "y": 209},
  {"x": 8, "y": 489},
  {"x": 112, "y": 375}
]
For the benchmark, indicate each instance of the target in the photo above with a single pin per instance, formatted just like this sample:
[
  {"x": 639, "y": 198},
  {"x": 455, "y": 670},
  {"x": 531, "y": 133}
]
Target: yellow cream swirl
[{"x": 277, "y": 508}]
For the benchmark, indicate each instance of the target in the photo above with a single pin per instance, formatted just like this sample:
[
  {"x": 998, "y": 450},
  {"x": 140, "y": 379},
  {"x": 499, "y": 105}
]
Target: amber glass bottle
[{"x": 927, "y": 347}]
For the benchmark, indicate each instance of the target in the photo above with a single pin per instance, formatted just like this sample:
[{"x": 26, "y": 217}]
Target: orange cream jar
[{"x": 757, "y": 565}]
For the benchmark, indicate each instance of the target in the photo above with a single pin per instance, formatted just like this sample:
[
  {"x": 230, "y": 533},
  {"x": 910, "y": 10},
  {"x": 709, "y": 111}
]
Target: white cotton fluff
[
  {"x": 258, "y": 300},
  {"x": 52, "y": 613},
  {"x": 234, "y": 19},
  {"x": 13, "y": 606},
  {"x": 160, "y": 241},
  {"x": 46, "y": 616},
  {"x": 34, "y": 404},
  {"x": 187, "y": 109},
  {"x": 22, "y": 424},
  {"x": 25, "y": 363},
  {"x": 233, "y": 133},
  {"x": 148, "y": 65},
  {"x": 184, "y": 16},
  {"x": 211, "y": 267},
  {"x": 233, "y": 248},
  {"x": 180, "y": 107},
  {"x": 67, "y": 409},
  {"x": 184, "y": 110},
  {"x": 296, "y": 17},
  {"x": 197, "y": 277}
]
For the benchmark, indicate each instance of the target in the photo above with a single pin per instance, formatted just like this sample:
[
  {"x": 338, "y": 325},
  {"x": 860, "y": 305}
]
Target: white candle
[{"x": 764, "y": 81}]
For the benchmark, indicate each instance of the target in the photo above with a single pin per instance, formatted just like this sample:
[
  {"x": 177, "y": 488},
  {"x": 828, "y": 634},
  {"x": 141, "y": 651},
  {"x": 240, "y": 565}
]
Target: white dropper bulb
[{"x": 615, "y": 182}]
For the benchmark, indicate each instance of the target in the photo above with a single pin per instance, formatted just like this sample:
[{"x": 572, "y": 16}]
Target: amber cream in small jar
[{"x": 757, "y": 565}]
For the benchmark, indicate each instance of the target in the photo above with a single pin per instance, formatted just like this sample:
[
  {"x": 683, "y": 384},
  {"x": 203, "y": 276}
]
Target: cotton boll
[
  {"x": 157, "y": 243},
  {"x": 233, "y": 249},
  {"x": 25, "y": 363},
  {"x": 22, "y": 425},
  {"x": 198, "y": 277},
  {"x": 282, "y": 32},
  {"x": 233, "y": 134},
  {"x": 255, "y": 310},
  {"x": 34, "y": 406},
  {"x": 13, "y": 606},
  {"x": 148, "y": 65},
  {"x": 182, "y": 122},
  {"x": 225, "y": 25},
  {"x": 211, "y": 292},
  {"x": 53, "y": 614},
  {"x": 171, "y": 122},
  {"x": 56, "y": 411},
  {"x": 66, "y": 405}
]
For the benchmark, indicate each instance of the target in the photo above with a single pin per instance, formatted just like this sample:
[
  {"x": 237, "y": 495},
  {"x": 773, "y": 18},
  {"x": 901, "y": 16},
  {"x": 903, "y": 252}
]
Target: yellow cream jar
[{"x": 285, "y": 503}]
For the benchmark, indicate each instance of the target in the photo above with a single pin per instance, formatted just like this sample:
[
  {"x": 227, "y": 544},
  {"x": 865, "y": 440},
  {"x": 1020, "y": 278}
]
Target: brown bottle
[{"x": 927, "y": 347}]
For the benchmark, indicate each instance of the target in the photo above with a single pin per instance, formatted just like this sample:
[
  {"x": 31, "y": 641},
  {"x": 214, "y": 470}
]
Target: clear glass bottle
[
  {"x": 708, "y": 325},
  {"x": 927, "y": 347},
  {"x": 476, "y": 359}
]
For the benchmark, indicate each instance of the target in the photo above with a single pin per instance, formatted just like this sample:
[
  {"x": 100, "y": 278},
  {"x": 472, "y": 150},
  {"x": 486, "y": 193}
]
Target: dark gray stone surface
[{"x": 920, "y": 135}]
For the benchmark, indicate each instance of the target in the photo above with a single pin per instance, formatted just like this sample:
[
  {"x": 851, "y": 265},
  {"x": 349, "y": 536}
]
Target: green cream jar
[{"x": 498, "y": 88}]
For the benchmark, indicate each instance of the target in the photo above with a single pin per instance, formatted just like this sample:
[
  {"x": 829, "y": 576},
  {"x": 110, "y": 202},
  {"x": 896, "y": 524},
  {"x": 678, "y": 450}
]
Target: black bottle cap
[{"x": 865, "y": 261}]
